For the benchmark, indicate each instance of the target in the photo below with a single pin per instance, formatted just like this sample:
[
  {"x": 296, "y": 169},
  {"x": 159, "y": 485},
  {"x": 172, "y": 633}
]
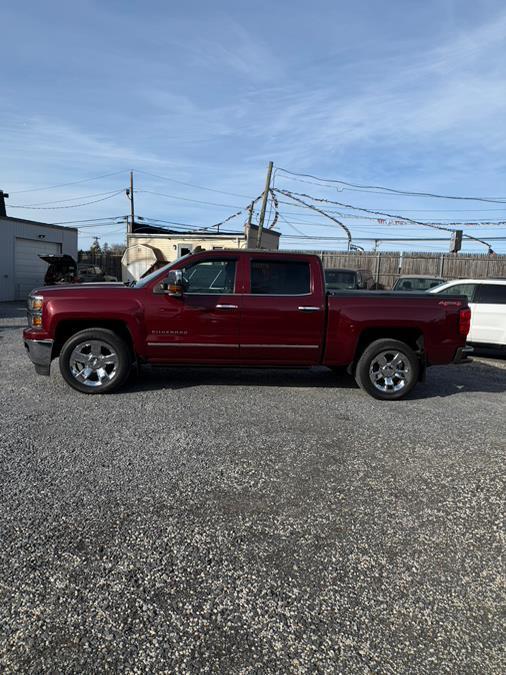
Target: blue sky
[{"x": 406, "y": 94}]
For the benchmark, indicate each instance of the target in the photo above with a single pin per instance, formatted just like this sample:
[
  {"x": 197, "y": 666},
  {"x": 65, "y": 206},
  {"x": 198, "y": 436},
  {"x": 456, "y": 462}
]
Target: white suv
[{"x": 487, "y": 300}]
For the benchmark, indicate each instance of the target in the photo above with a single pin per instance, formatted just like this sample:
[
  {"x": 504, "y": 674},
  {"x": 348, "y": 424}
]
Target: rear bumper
[
  {"x": 40, "y": 352},
  {"x": 462, "y": 353}
]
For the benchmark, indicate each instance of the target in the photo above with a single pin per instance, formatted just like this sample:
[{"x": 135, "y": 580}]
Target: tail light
[{"x": 464, "y": 321}]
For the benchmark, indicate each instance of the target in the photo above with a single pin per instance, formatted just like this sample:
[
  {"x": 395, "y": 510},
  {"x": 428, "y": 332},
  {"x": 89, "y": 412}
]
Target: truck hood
[{"x": 79, "y": 290}]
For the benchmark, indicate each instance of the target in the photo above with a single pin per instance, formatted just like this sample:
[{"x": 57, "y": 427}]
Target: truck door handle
[
  {"x": 226, "y": 306},
  {"x": 309, "y": 309}
]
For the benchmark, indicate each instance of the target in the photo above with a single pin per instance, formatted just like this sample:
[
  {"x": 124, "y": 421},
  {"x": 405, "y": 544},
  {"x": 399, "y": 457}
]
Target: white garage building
[{"x": 21, "y": 243}]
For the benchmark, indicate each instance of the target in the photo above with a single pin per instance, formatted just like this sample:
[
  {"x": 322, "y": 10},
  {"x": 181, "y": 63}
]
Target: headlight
[{"x": 35, "y": 305}]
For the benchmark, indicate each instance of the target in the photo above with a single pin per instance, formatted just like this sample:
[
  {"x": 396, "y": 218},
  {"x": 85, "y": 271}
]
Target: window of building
[
  {"x": 183, "y": 249},
  {"x": 280, "y": 278}
]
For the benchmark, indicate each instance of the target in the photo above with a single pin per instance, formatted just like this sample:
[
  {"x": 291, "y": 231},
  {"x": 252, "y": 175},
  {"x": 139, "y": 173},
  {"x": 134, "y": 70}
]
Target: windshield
[
  {"x": 340, "y": 279},
  {"x": 159, "y": 272}
]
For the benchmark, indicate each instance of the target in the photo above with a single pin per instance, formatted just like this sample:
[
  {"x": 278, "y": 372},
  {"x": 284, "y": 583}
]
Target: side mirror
[{"x": 173, "y": 284}]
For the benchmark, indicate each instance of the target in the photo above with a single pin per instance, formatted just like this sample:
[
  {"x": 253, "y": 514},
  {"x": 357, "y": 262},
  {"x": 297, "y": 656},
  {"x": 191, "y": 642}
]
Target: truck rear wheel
[
  {"x": 95, "y": 361},
  {"x": 387, "y": 369}
]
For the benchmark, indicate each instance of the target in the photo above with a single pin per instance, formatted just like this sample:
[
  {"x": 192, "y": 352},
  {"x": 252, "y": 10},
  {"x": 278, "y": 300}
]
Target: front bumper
[
  {"x": 462, "y": 353},
  {"x": 40, "y": 352}
]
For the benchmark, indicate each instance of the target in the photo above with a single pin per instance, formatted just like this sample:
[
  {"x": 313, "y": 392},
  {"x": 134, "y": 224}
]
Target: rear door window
[
  {"x": 492, "y": 294},
  {"x": 279, "y": 277}
]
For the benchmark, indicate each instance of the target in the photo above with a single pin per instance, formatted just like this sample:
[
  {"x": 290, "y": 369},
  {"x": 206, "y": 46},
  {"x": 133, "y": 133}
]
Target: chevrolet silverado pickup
[{"x": 242, "y": 308}]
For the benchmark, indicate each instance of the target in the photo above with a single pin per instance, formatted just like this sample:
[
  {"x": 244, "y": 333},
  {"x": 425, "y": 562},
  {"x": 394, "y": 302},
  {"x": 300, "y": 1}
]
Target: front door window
[{"x": 206, "y": 277}]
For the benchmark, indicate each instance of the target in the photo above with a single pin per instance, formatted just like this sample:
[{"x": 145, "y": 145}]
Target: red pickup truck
[{"x": 242, "y": 308}]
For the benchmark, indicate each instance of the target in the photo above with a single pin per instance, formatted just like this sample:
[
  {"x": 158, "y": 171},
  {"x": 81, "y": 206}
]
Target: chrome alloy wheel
[
  {"x": 390, "y": 371},
  {"x": 93, "y": 363}
]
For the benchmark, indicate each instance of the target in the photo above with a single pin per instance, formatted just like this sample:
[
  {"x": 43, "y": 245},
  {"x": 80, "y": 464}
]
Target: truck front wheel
[
  {"x": 95, "y": 361},
  {"x": 387, "y": 369}
]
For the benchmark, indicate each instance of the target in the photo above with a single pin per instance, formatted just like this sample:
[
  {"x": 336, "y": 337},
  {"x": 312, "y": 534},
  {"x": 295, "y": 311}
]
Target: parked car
[
  {"x": 487, "y": 300},
  {"x": 63, "y": 269},
  {"x": 242, "y": 308},
  {"x": 416, "y": 283},
  {"x": 92, "y": 273},
  {"x": 339, "y": 279}
]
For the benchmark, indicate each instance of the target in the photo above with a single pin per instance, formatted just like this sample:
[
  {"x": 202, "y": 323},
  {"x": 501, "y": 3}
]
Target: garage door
[{"x": 29, "y": 268}]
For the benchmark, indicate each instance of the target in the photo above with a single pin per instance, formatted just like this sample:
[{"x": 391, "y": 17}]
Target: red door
[
  {"x": 282, "y": 312},
  {"x": 203, "y": 325}
]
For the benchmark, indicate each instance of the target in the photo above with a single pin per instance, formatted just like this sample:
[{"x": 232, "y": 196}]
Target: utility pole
[
  {"x": 264, "y": 204},
  {"x": 95, "y": 247},
  {"x": 130, "y": 195},
  {"x": 3, "y": 210},
  {"x": 132, "y": 210}
]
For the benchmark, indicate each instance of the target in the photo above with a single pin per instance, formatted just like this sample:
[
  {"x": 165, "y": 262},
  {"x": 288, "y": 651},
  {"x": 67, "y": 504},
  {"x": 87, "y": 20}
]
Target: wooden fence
[
  {"x": 385, "y": 267},
  {"x": 110, "y": 263}
]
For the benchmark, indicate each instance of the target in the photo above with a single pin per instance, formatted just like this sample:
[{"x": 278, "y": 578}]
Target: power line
[
  {"x": 389, "y": 215},
  {"x": 193, "y": 185},
  {"x": 103, "y": 234},
  {"x": 379, "y": 191},
  {"x": 147, "y": 220},
  {"x": 309, "y": 206},
  {"x": 69, "y": 199},
  {"x": 187, "y": 199},
  {"x": 437, "y": 210},
  {"x": 75, "y": 182},
  {"x": 86, "y": 220},
  {"x": 293, "y": 226},
  {"x": 234, "y": 215},
  {"x": 398, "y": 221},
  {"x": 496, "y": 200},
  {"x": 395, "y": 239},
  {"x": 275, "y": 203},
  {"x": 349, "y": 215},
  {"x": 68, "y": 206},
  {"x": 107, "y": 224},
  {"x": 153, "y": 222},
  {"x": 202, "y": 228}
]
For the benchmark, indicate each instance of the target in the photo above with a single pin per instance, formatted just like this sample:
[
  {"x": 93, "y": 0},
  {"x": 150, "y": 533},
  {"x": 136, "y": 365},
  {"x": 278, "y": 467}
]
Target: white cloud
[
  {"x": 454, "y": 95},
  {"x": 36, "y": 138}
]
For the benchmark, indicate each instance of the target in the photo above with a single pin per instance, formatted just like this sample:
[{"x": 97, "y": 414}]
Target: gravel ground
[{"x": 250, "y": 521}]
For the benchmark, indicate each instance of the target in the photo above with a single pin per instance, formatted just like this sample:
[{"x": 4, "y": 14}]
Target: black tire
[
  {"x": 103, "y": 378},
  {"x": 368, "y": 369}
]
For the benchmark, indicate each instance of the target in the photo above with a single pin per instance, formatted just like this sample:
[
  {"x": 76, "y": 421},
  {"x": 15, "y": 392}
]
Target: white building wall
[
  {"x": 10, "y": 229},
  {"x": 172, "y": 246}
]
